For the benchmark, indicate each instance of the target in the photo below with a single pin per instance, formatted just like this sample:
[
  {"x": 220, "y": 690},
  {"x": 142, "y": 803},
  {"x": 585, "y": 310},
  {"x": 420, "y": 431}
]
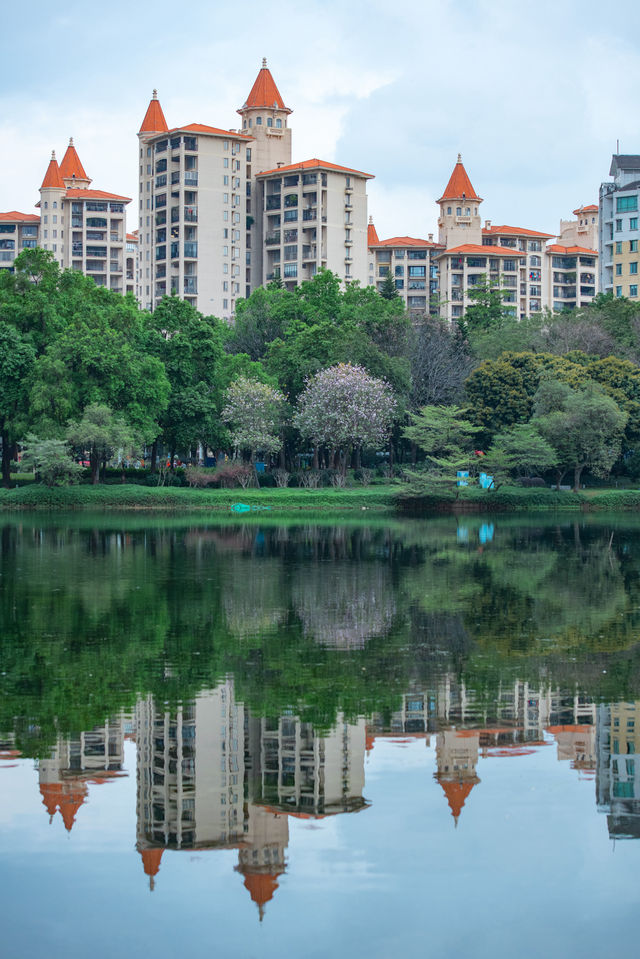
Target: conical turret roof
[
  {"x": 264, "y": 92},
  {"x": 459, "y": 186},
  {"x": 154, "y": 121},
  {"x": 71, "y": 168},
  {"x": 52, "y": 178}
]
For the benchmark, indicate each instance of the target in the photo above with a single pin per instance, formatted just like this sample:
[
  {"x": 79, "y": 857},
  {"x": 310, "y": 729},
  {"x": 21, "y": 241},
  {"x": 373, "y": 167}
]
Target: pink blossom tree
[
  {"x": 255, "y": 413},
  {"x": 344, "y": 408}
]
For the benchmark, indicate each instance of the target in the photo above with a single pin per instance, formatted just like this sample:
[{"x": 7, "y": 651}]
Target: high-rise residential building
[
  {"x": 192, "y": 209},
  {"x": 618, "y": 227},
  {"x": 85, "y": 229},
  {"x": 315, "y": 217},
  {"x": 583, "y": 231},
  {"x": 223, "y": 211},
  {"x": 18, "y": 232}
]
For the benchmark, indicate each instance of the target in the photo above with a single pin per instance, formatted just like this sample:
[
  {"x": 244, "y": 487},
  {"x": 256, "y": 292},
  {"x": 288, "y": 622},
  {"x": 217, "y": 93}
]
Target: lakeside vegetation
[{"x": 315, "y": 382}]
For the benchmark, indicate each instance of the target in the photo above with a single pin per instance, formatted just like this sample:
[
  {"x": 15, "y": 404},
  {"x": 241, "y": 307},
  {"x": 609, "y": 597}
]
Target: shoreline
[{"x": 375, "y": 498}]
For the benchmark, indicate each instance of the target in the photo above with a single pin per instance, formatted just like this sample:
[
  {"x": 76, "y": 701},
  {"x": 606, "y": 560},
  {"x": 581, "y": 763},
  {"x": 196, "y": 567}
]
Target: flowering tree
[
  {"x": 255, "y": 412},
  {"x": 344, "y": 407}
]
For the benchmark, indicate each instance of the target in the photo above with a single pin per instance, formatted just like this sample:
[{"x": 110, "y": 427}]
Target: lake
[{"x": 258, "y": 738}]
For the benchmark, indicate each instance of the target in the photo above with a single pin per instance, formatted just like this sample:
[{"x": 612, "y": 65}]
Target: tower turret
[{"x": 459, "y": 221}]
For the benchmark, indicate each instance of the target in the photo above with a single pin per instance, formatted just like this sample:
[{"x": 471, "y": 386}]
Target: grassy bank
[
  {"x": 171, "y": 498},
  {"x": 379, "y": 498}
]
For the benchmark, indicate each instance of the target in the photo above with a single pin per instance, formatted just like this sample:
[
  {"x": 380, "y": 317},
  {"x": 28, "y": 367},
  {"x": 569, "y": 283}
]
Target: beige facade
[
  {"x": 583, "y": 231},
  {"x": 412, "y": 262},
  {"x": 18, "y": 232},
  {"x": 315, "y": 217}
]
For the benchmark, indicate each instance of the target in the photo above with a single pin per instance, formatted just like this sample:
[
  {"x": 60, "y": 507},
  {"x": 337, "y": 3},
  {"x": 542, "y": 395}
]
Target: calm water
[{"x": 257, "y": 740}]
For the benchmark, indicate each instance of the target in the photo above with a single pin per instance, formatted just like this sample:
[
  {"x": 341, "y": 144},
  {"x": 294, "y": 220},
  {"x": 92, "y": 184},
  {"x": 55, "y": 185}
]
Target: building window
[
  {"x": 279, "y": 124},
  {"x": 258, "y": 121},
  {"x": 448, "y": 211},
  {"x": 618, "y": 291},
  {"x": 618, "y": 226},
  {"x": 618, "y": 269},
  {"x": 269, "y": 122},
  {"x": 633, "y": 267},
  {"x": 626, "y": 204},
  {"x": 633, "y": 223},
  {"x": 633, "y": 290},
  {"x": 633, "y": 246},
  {"x": 619, "y": 246},
  {"x": 225, "y": 163}
]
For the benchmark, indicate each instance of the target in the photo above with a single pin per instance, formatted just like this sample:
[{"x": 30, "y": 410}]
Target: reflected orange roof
[
  {"x": 592, "y": 208},
  {"x": 459, "y": 186},
  {"x": 264, "y": 92},
  {"x": 52, "y": 178},
  {"x": 556, "y": 248},
  {"x": 514, "y": 231},
  {"x": 372, "y": 233},
  {"x": 71, "y": 167},
  {"x": 27, "y": 218},
  {"x": 584, "y": 728},
  {"x": 65, "y": 797},
  {"x": 154, "y": 121},
  {"x": 457, "y": 793},
  {"x": 151, "y": 860},
  {"x": 77, "y": 193},
  {"x": 51, "y": 794},
  {"x": 316, "y": 164}
]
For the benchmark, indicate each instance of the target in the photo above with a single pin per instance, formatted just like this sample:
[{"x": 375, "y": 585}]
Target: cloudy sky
[{"x": 533, "y": 95}]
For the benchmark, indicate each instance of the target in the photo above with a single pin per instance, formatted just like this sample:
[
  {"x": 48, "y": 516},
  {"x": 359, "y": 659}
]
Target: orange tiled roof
[
  {"x": 52, "y": 178},
  {"x": 264, "y": 92},
  {"x": 480, "y": 250},
  {"x": 14, "y": 215},
  {"x": 203, "y": 128},
  {"x": 154, "y": 121},
  {"x": 513, "y": 231},
  {"x": 405, "y": 241},
  {"x": 372, "y": 233},
  {"x": 315, "y": 164},
  {"x": 592, "y": 208},
  {"x": 261, "y": 887},
  {"x": 556, "y": 248},
  {"x": 132, "y": 237},
  {"x": 459, "y": 186},
  {"x": 80, "y": 194},
  {"x": 71, "y": 167}
]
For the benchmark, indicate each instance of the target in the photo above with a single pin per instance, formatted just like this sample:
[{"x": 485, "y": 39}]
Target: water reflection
[{"x": 260, "y": 668}]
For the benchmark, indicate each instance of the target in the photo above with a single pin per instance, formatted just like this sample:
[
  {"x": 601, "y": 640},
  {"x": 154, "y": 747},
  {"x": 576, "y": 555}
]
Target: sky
[{"x": 534, "y": 96}]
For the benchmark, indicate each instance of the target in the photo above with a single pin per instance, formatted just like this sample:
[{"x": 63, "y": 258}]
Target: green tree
[
  {"x": 102, "y": 433},
  {"x": 487, "y": 310},
  {"x": 519, "y": 450},
  {"x": 17, "y": 357},
  {"x": 388, "y": 289},
  {"x": 51, "y": 460},
  {"x": 446, "y": 438}
]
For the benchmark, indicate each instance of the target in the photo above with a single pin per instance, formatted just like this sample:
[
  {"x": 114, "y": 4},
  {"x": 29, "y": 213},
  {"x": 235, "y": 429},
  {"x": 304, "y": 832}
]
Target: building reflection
[
  {"x": 210, "y": 775},
  {"x": 92, "y": 758}
]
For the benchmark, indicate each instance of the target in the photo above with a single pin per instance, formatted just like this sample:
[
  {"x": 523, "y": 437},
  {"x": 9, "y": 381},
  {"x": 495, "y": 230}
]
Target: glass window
[
  {"x": 633, "y": 246},
  {"x": 633, "y": 267},
  {"x": 633, "y": 223},
  {"x": 618, "y": 226},
  {"x": 618, "y": 291},
  {"x": 279, "y": 124},
  {"x": 625, "y": 204},
  {"x": 633, "y": 290},
  {"x": 619, "y": 246},
  {"x": 618, "y": 269},
  {"x": 258, "y": 121},
  {"x": 269, "y": 122}
]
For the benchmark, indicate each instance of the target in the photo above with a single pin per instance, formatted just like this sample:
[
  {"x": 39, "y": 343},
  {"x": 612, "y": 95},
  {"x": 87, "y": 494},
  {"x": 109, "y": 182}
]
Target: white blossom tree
[
  {"x": 344, "y": 408},
  {"x": 255, "y": 413}
]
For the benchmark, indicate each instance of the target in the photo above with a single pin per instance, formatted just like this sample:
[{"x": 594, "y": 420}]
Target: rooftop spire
[
  {"x": 372, "y": 233},
  {"x": 154, "y": 121},
  {"x": 459, "y": 186},
  {"x": 52, "y": 178},
  {"x": 71, "y": 168},
  {"x": 264, "y": 92}
]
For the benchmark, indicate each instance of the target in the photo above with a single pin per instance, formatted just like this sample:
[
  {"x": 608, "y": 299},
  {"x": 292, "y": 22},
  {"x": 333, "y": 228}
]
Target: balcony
[
  {"x": 115, "y": 267},
  {"x": 113, "y": 238},
  {"x": 191, "y": 214},
  {"x": 310, "y": 214},
  {"x": 274, "y": 202},
  {"x": 272, "y": 239},
  {"x": 191, "y": 250},
  {"x": 348, "y": 205},
  {"x": 190, "y": 178},
  {"x": 463, "y": 220},
  {"x": 191, "y": 284},
  {"x": 309, "y": 252}
]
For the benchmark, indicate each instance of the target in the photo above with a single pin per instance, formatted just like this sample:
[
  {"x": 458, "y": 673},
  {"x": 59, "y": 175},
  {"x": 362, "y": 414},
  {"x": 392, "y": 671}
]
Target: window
[
  {"x": 633, "y": 290},
  {"x": 258, "y": 121},
  {"x": 279, "y": 124},
  {"x": 618, "y": 291},
  {"x": 290, "y": 269},
  {"x": 633, "y": 246},
  {"x": 633, "y": 267},
  {"x": 448, "y": 211},
  {"x": 618, "y": 226},
  {"x": 619, "y": 246},
  {"x": 618, "y": 269},
  {"x": 633, "y": 223},
  {"x": 626, "y": 204},
  {"x": 225, "y": 163},
  {"x": 269, "y": 122}
]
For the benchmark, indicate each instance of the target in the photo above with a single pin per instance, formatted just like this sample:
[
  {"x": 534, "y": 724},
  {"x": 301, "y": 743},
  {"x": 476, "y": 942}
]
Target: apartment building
[
  {"x": 583, "y": 231},
  {"x": 18, "y": 232},
  {"x": 413, "y": 264},
  {"x": 192, "y": 209},
  {"x": 618, "y": 227},
  {"x": 571, "y": 276},
  {"x": 85, "y": 229},
  {"x": 132, "y": 266},
  {"x": 315, "y": 217}
]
